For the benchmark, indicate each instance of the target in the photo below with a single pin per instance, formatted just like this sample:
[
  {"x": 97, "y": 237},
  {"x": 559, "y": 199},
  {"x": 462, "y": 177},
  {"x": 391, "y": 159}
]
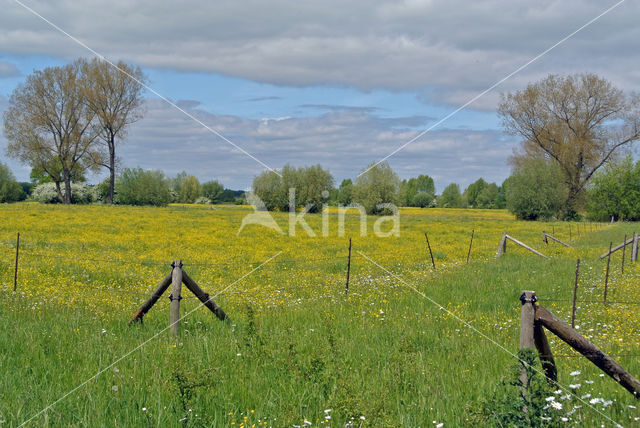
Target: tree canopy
[
  {"x": 49, "y": 125},
  {"x": 378, "y": 185},
  {"x": 578, "y": 121},
  {"x": 536, "y": 190}
]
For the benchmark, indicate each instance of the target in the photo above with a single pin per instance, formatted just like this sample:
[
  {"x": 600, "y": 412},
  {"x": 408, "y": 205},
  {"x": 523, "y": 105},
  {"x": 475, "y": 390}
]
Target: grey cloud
[
  {"x": 8, "y": 69},
  {"x": 345, "y": 142},
  {"x": 460, "y": 47}
]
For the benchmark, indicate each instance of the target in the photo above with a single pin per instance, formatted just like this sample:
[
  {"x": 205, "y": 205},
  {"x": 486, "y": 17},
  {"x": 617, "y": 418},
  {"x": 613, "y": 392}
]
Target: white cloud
[{"x": 458, "y": 47}]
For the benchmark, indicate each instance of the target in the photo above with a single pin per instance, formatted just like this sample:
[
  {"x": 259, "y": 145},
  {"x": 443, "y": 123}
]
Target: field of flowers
[{"x": 408, "y": 344}]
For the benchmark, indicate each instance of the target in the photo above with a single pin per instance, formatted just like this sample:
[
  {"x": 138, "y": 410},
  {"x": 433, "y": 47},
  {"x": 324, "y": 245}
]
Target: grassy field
[{"x": 409, "y": 345}]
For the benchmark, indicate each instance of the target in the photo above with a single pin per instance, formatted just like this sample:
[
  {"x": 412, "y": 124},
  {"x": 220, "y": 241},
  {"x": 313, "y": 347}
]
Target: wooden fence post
[
  {"x": 575, "y": 295},
  {"x": 634, "y": 248},
  {"x": 606, "y": 275},
  {"x": 527, "y": 319},
  {"x": 346, "y": 287},
  {"x": 175, "y": 297},
  {"x": 570, "y": 238},
  {"x": 473, "y": 231},
  {"x": 502, "y": 247},
  {"x": 623, "y": 255},
  {"x": 15, "y": 274},
  {"x": 433, "y": 263}
]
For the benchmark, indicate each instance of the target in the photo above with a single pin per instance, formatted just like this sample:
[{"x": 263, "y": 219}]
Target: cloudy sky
[{"x": 338, "y": 83}]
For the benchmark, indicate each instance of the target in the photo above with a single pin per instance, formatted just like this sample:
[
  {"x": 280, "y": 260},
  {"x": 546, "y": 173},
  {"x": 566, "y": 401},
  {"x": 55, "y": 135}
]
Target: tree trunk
[
  {"x": 570, "y": 208},
  {"x": 67, "y": 187},
  {"x": 112, "y": 169},
  {"x": 59, "y": 191}
]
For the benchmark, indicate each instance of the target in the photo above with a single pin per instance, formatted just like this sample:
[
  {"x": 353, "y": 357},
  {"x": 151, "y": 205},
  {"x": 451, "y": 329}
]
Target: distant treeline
[{"x": 535, "y": 190}]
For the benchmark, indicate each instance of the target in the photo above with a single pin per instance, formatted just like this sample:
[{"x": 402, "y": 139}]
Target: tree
[
  {"x": 212, "y": 190},
  {"x": 615, "y": 192},
  {"x": 579, "y": 121},
  {"x": 489, "y": 197},
  {"x": 473, "y": 191},
  {"x": 345, "y": 192},
  {"x": 450, "y": 197},
  {"x": 139, "y": 187},
  {"x": 10, "y": 189},
  {"x": 312, "y": 186},
  {"x": 190, "y": 189},
  {"x": 49, "y": 126},
  {"x": 410, "y": 188},
  {"x": 536, "y": 190},
  {"x": 268, "y": 187},
  {"x": 114, "y": 95},
  {"x": 422, "y": 199},
  {"x": 377, "y": 185}
]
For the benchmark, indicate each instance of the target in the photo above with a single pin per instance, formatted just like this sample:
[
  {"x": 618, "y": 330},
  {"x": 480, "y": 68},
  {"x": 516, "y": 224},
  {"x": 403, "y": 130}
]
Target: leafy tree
[
  {"x": 139, "y": 187},
  {"x": 422, "y": 200},
  {"x": 451, "y": 197},
  {"x": 579, "y": 121},
  {"x": 268, "y": 187},
  {"x": 49, "y": 125},
  {"x": 315, "y": 184},
  {"x": 10, "y": 189},
  {"x": 615, "y": 192},
  {"x": 488, "y": 197},
  {"x": 176, "y": 185},
  {"x": 212, "y": 190},
  {"x": 228, "y": 195},
  {"x": 190, "y": 189},
  {"x": 410, "y": 188},
  {"x": 473, "y": 191},
  {"x": 536, "y": 190},
  {"x": 379, "y": 184},
  {"x": 345, "y": 192},
  {"x": 114, "y": 95},
  {"x": 312, "y": 185}
]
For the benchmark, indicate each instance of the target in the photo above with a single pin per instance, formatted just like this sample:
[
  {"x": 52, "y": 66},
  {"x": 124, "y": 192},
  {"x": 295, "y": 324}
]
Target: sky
[{"x": 342, "y": 84}]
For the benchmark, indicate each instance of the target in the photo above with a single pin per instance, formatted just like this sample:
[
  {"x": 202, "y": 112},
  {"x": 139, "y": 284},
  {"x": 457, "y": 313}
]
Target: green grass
[{"x": 383, "y": 352}]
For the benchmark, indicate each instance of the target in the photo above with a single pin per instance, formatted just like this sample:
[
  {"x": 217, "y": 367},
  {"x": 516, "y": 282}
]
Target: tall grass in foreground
[{"x": 297, "y": 349}]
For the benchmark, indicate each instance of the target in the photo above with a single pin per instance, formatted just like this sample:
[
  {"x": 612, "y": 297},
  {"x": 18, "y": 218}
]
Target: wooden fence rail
[{"x": 534, "y": 317}]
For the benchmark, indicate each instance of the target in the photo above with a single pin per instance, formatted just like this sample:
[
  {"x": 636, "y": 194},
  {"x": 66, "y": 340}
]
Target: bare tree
[
  {"x": 114, "y": 95},
  {"x": 48, "y": 125},
  {"x": 580, "y": 121}
]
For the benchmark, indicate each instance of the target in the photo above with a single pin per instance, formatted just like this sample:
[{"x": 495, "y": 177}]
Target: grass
[{"x": 297, "y": 349}]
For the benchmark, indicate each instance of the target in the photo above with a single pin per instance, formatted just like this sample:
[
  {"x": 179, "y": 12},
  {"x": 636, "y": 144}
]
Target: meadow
[{"x": 407, "y": 345}]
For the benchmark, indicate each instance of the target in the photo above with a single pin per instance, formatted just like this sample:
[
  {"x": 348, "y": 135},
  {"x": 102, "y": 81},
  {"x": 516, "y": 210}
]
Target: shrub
[
  {"x": 536, "y": 190},
  {"x": 422, "y": 199},
  {"x": 139, "y": 187},
  {"x": 615, "y": 192},
  {"x": 10, "y": 189},
  {"x": 46, "y": 193}
]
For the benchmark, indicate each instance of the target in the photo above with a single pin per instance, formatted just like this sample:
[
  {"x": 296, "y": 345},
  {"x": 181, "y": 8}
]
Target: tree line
[
  {"x": 312, "y": 187},
  {"x": 132, "y": 186},
  {"x": 65, "y": 121}
]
